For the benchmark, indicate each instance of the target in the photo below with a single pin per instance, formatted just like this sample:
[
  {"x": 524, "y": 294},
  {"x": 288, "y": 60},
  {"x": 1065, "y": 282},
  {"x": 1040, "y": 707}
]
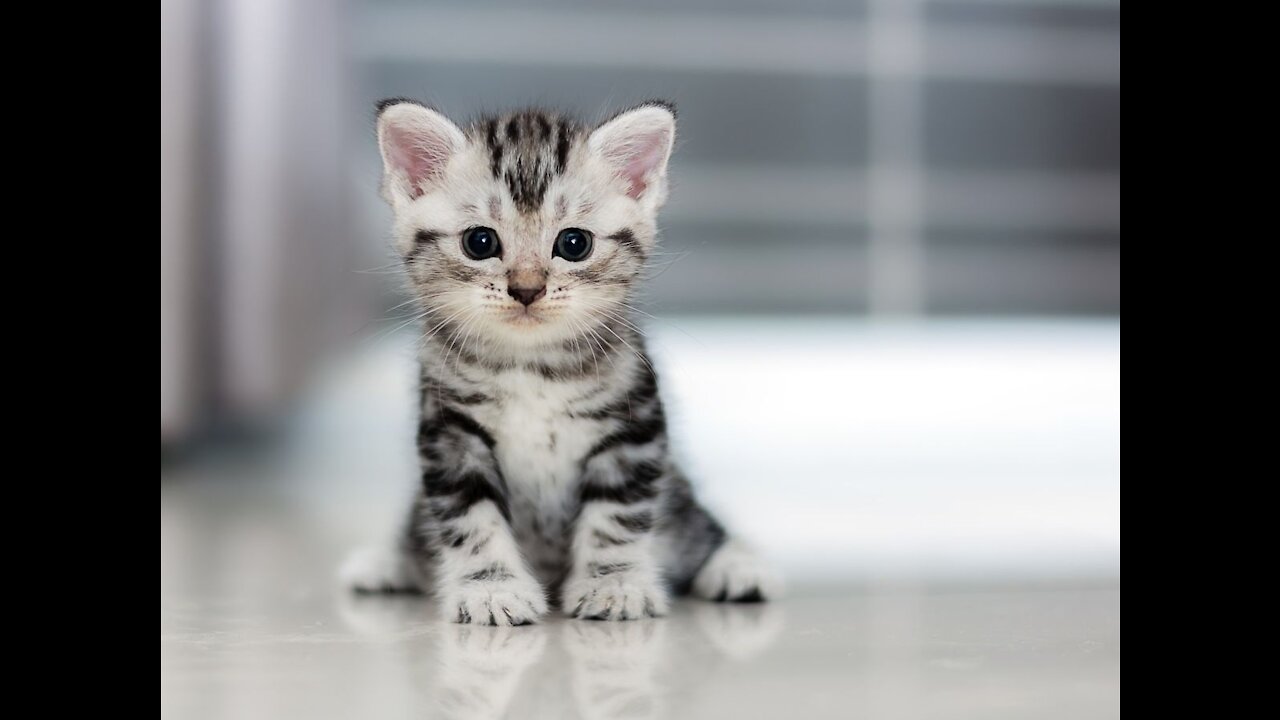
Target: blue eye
[
  {"x": 573, "y": 244},
  {"x": 481, "y": 243}
]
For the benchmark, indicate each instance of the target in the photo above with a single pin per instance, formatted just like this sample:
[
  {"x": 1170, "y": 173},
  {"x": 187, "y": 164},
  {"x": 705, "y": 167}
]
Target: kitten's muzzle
[{"x": 527, "y": 296}]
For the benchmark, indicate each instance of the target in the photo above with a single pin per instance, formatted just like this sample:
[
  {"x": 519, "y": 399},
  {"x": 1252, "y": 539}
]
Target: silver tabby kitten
[{"x": 543, "y": 443}]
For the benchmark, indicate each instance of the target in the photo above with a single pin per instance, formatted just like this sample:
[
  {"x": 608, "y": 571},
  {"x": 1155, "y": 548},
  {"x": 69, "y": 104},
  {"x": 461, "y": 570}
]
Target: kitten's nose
[{"x": 526, "y": 295}]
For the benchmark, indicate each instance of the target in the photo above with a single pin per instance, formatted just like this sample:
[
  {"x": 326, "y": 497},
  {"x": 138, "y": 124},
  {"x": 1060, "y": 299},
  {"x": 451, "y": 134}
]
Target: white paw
[
  {"x": 377, "y": 570},
  {"x": 510, "y": 601},
  {"x": 734, "y": 573},
  {"x": 384, "y": 616},
  {"x": 620, "y": 596}
]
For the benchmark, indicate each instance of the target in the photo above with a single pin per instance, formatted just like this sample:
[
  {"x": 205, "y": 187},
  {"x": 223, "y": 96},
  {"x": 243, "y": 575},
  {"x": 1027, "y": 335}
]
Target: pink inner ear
[
  {"x": 642, "y": 158},
  {"x": 416, "y": 155}
]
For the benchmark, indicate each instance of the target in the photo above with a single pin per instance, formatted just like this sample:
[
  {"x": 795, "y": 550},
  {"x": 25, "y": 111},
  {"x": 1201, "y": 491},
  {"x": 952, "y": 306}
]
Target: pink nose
[{"x": 527, "y": 295}]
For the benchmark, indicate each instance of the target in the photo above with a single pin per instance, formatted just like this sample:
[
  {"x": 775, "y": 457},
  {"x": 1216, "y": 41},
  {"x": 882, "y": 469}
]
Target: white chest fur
[
  {"x": 539, "y": 449},
  {"x": 539, "y": 446}
]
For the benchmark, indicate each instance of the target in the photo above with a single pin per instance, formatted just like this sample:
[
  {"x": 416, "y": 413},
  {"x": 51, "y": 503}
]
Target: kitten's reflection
[
  {"x": 606, "y": 669},
  {"x": 481, "y": 667},
  {"x": 740, "y": 632},
  {"x": 614, "y": 667}
]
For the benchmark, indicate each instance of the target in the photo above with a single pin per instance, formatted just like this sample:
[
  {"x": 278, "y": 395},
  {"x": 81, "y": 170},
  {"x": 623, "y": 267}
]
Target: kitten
[{"x": 543, "y": 442}]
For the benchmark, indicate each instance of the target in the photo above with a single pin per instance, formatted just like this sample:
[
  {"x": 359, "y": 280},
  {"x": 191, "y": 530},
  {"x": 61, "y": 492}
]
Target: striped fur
[{"x": 546, "y": 473}]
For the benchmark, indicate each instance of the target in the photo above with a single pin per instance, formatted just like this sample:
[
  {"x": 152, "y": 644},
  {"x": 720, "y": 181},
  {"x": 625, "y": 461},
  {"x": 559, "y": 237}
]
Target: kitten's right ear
[{"x": 416, "y": 144}]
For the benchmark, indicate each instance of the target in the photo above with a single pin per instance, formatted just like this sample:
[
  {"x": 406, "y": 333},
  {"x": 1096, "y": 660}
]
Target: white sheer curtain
[{"x": 253, "y": 232}]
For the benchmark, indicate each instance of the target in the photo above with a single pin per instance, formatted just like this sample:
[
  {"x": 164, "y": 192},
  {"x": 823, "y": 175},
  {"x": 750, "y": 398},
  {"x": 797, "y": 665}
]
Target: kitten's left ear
[{"x": 637, "y": 144}]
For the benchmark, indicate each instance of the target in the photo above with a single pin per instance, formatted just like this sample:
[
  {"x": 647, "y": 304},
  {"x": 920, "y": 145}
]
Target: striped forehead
[{"x": 527, "y": 150}]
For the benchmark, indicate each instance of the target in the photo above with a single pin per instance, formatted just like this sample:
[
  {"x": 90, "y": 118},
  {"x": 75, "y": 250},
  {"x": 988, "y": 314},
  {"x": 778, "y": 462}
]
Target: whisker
[{"x": 637, "y": 353}]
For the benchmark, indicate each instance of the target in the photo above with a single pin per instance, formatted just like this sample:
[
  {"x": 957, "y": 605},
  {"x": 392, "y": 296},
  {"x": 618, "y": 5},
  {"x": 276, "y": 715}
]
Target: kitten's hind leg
[
  {"x": 703, "y": 560},
  {"x": 380, "y": 569},
  {"x": 735, "y": 573}
]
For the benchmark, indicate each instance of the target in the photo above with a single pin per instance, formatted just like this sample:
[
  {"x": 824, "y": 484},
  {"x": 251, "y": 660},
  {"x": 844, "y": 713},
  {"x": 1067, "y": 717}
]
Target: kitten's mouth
[{"x": 524, "y": 317}]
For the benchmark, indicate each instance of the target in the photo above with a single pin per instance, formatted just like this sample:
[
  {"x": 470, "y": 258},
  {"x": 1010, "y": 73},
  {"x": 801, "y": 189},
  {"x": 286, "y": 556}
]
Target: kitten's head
[{"x": 527, "y": 229}]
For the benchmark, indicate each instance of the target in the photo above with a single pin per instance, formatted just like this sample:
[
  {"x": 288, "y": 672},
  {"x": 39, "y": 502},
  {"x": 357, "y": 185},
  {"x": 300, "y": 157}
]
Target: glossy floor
[
  {"x": 899, "y": 652},
  {"x": 944, "y": 500},
  {"x": 252, "y": 626}
]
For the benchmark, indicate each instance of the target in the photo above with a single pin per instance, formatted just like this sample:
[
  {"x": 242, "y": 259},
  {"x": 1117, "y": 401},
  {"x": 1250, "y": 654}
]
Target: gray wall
[{"x": 892, "y": 157}]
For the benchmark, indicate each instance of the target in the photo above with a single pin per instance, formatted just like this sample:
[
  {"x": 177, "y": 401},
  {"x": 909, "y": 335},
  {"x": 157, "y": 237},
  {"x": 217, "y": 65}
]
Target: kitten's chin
[
  {"x": 524, "y": 319},
  {"x": 526, "y": 329},
  {"x": 526, "y": 326}
]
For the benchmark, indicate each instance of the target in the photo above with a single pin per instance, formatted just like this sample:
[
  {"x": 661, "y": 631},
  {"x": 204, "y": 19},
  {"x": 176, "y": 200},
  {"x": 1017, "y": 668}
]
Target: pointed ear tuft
[
  {"x": 385, "y": 103},
  {"x": 637, "y": 144},
  {"x": 670, "y": 105},
  {"x": 416, "y": 144}
]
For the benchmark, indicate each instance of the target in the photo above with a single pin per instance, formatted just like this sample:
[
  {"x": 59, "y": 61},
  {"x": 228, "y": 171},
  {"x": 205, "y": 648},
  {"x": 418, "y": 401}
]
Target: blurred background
[
  {"x": 898, "y": 221},
  {"x": 887, "y": 319}
]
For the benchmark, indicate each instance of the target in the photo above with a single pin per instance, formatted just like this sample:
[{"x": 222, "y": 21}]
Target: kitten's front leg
[
  {"x": 615, "y": 573},
  {"x": 481, "y": 576}
]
